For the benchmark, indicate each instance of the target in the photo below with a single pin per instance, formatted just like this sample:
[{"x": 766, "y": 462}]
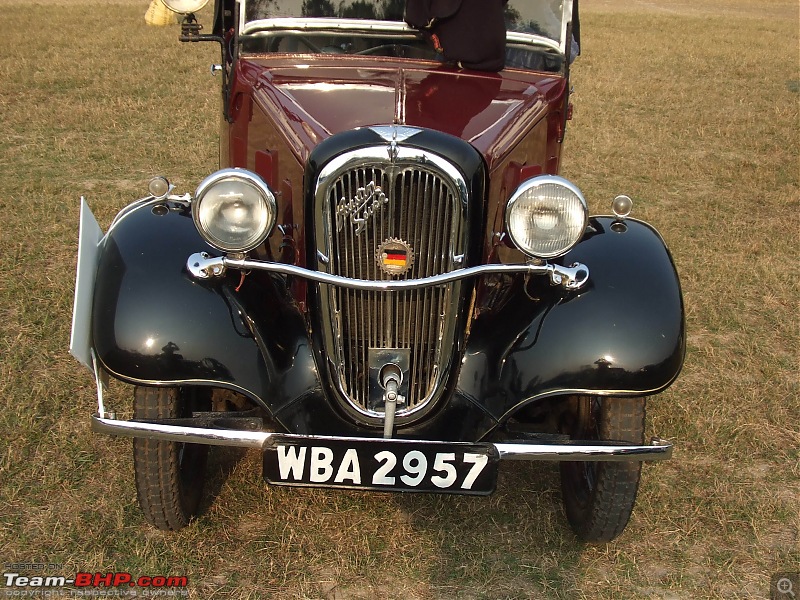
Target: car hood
[{"x": 316, "y": 100}]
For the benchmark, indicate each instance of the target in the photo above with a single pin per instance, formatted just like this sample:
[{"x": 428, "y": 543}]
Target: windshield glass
[
  {"x": 327, "y": 26},
  {"x": 541, "y": 17}
]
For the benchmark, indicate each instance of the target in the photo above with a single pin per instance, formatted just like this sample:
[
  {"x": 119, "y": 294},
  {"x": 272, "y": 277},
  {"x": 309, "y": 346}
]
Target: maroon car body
[{"x": 279, "y": 113}]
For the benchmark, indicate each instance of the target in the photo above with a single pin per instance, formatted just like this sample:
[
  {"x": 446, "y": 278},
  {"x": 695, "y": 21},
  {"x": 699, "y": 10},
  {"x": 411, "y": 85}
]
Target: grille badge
[
  {"x": 395, "y": 256},
  {"x": 369, "y": 200}
]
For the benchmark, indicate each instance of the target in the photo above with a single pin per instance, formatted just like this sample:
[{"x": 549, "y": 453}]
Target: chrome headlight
[
  {"x": 546, "y": 216},
  {"x": 234, "y": 210},
  {"x": 185, "y": 6}
]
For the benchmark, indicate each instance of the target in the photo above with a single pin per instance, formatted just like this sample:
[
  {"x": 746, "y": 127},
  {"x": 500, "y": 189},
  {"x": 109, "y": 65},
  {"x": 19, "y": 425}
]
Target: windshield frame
[{"x": 398, "y": 28}]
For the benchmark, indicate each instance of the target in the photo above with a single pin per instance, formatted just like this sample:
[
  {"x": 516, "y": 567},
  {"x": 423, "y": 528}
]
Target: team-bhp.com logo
[{"x": 90, "y": 581}]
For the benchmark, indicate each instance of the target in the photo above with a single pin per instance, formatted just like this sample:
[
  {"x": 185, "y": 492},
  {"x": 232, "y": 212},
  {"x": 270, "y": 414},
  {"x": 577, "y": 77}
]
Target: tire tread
[
  {"x": 156, "y": 464},
  {"x": 616, "y": 483}
]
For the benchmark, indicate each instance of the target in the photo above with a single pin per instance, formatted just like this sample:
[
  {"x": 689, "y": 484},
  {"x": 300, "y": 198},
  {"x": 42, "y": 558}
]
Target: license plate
[{"x": 388, "y": 465}]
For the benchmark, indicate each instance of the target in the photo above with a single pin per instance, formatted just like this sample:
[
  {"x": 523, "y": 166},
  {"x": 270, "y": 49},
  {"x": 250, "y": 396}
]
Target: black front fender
[
  {"x": 623, "y": 334},
  {"x": 154, "y": 324}
]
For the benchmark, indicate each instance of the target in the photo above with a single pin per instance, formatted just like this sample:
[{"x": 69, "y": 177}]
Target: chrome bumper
[
  {"x": 581, "y": 451},
  {"x": 203, "y": 266}
]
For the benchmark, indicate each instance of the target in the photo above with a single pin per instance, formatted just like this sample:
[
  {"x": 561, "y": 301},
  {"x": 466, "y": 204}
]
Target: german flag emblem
[{"x": 395, "y": 256}]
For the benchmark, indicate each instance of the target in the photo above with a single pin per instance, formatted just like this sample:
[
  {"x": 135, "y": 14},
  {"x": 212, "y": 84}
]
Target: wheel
[
  {"x": 169, "y": 475},
  {"x": 599, "y": 496}
]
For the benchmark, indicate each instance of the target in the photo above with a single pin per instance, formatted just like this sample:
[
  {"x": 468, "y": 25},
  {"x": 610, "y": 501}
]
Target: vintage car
[{"x": 387, "y": 286}]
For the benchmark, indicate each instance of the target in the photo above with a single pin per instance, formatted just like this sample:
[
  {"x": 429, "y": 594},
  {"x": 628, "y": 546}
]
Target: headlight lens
[
  {"x": 234, "y": 210},
  {"x": 185, "y": 6},
  {"x": 546, "y": 216}
]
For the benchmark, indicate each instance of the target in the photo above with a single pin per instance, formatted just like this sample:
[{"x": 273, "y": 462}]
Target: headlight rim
[
  {"x": 198, "y": 5},
  {"x": 250, "y": 178},
  {"x": 538, "y": 181}
]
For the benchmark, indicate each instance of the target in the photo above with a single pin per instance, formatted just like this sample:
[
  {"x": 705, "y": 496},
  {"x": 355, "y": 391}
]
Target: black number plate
[{"x": 388, "y": 465}]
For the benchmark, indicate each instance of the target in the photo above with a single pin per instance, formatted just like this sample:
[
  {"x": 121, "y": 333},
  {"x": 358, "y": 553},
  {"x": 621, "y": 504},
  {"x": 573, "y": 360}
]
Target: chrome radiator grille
[{"x": 406, "y": 216}]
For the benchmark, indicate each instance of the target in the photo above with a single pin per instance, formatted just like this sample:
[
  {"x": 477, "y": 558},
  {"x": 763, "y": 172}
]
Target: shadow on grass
[
  {"x": 511, "y": 544},
  {"x": 348, "y": 544},
  {"x": 222, "y": 462}
]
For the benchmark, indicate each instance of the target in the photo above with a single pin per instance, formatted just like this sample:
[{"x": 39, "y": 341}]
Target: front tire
[
  {"x": 169, "y": 475},
  {"x": 599, "y": 496}
]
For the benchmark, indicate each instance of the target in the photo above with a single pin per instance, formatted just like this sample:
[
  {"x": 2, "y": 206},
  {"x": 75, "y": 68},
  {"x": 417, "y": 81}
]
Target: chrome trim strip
[
  {"x": 175, "y": 433},
  {"x": 566, "y": 18},
  {"x": 329, "y": 24},
  {"x": 203, "y": 266},
  {"x": 582, "y": 451},
  {"x": 130, "y": 209},
  {"x": 184, "y": 199},
  {"x": 370, "y": 26},
  {"x": 101, "y": 382},
  {"x": 395, "y": 155},
  {"x": 531, "y": 39},
  {"x": 106, "y": 371},
  {"x": 585, "y": 392},
  {"x": 586, "y": 452}
]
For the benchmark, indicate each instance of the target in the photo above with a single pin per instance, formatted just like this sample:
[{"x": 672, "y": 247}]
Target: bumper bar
[
  {"x": 571, "y": 451},
  {"x": 203, "y": 266}
]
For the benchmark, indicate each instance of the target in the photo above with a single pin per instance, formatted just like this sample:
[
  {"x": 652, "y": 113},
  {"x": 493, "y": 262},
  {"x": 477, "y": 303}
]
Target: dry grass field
[{"x": 689, "y": 107}]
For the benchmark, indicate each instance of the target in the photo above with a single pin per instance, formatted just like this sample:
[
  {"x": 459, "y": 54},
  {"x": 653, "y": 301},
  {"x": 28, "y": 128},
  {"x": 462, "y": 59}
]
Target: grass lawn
[{"x": 691, "y": 108}]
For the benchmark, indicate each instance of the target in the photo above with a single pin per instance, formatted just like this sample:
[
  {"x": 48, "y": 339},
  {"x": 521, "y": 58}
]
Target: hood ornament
[
  {"x": 397, "y": 133},
  {"x": 368, "y": 201},
  {"x": 394, "y": 134}
]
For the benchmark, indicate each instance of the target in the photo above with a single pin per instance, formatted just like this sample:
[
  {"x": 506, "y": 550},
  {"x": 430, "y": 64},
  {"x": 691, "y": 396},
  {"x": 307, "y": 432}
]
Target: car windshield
[{"x": 536, "y": 29}]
